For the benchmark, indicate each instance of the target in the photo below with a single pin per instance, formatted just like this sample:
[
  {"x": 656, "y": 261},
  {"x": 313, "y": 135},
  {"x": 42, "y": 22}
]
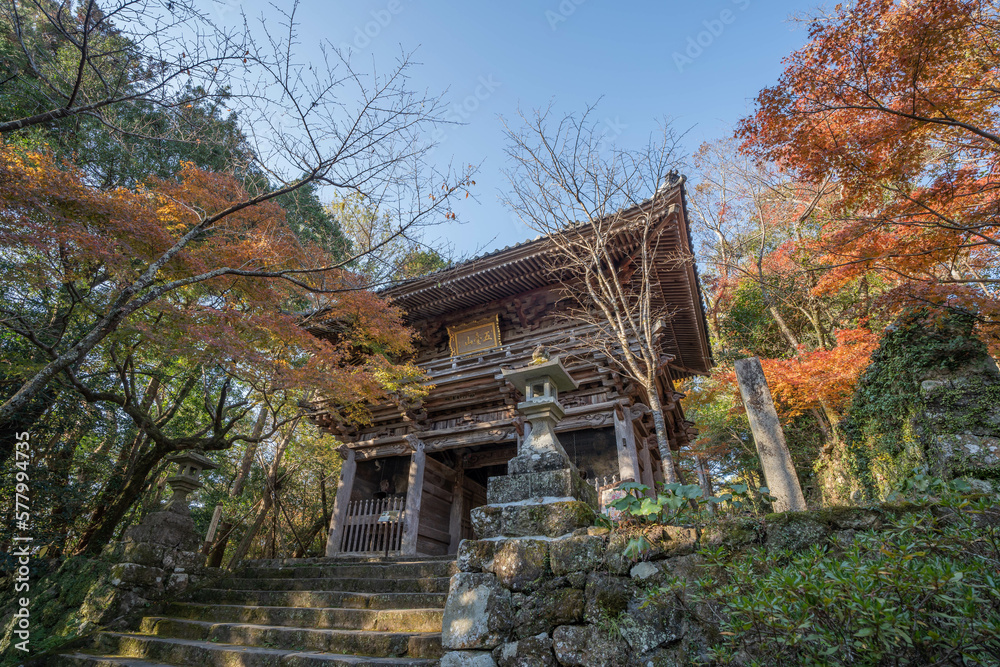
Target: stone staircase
[{"x": 296, "y": 613}]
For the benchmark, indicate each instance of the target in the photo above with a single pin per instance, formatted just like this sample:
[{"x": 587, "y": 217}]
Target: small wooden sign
[{"x": 474, "y": 337}]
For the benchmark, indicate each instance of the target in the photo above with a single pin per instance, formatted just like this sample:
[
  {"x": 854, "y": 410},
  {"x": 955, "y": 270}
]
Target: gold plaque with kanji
[{"x": 475, "y": 336}]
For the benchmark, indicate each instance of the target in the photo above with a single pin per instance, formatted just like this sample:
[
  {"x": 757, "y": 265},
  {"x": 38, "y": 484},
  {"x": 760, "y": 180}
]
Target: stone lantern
[
  {"x": 189, "y": 466},
  {"x": 172, "y": 526},
  {"x": 540, "y": 383}
]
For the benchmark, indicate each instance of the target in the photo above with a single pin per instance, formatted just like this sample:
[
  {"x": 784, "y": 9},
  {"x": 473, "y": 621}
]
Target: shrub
[{"x": 924, "y": 590}]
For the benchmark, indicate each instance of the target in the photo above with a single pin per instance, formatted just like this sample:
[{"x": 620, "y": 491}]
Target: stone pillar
[
  {"x": 414, "y": 493},
  {"x": 628, "y": 456},
  {"x": 775, "y": 458},
  {"x": 348, "y": 469}
]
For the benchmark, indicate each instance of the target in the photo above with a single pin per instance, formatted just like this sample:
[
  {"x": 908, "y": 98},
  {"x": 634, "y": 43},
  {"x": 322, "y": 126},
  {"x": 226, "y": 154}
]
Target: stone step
[
  {"x": 85, "y": 660},
  {"x": 315, "y": 599},
  {"x": 346, "y": 584},
  {"x": 209, "y": 654},
  {"x": 347, "y": 559},
  {"x": 372, "y": 570},
  {"x": 356, "y": 642},
  {"x": 399, "y": 620}
]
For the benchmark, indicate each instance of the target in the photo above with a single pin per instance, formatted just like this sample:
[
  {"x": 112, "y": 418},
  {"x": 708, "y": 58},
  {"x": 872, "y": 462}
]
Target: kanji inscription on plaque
[{"x": 475, "y": 336}]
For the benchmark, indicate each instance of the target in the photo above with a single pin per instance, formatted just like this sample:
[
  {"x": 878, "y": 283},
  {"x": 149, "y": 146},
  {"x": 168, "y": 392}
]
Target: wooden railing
[
  {"x": 607, "y": 493},
  {"x": 374, "y": 526}
]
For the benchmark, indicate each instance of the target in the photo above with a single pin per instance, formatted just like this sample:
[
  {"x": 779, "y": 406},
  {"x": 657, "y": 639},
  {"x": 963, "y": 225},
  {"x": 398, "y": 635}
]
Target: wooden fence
[
  {"x": 607, "y": 492},
  {"x": 374, "y": 526}
]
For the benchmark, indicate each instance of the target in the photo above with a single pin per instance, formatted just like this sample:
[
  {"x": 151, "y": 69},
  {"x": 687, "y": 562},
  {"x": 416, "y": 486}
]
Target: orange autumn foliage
[
  {"x": 801, "y": 383},
  {"x": 814, "y": 377},
  {"x": 899, "y": 103},
  {"x": 71, "y": 249}
]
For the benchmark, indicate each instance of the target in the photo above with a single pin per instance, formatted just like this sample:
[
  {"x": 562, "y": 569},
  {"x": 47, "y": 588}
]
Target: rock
[
  {"x": 679, "y": 541},
  {"x": 793, "y": 530},
  {"x": 530, "y": 652},
  {"x": 131, "y": 575},
  {"x": 644, "y": 571},
  {"x": 468, "y": 659},
  {"x": 606, "y": 596},
  {"x": 172, "y": 527},
  {"x": 548, "y": 519},
  {"x": 614, "y": 555},
  {"x": 477, "y": 614},
  {"x": 587, "y": 646},
  {"x": 177, "y": 583},
  {"x": 970, "y": 450},
  {"x": 649, "y": 625},
  {"x": 476, "y": 555},
  {"x": 575, "y": 554},
  {"x": 520, "y": 564},
  {"x": 683, "y": 567},
  {"x": 569, "y": 642},
  {"x": 544, "y": 610}
]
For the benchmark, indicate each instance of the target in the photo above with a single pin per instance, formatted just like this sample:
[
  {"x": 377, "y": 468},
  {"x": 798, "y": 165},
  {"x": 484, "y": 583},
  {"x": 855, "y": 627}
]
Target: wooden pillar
[
  {"x": 414, "y": 491},
  {"x": 775, "y": 459},
  {"x": 457, "y": 507},
  {"x": 212, "y": 527},
  {"x": 348, "y": 469},
  {"x": 628, "y": 456},
  {"x": 656, "y": 470},
  {"x": 646, "y": 476}
]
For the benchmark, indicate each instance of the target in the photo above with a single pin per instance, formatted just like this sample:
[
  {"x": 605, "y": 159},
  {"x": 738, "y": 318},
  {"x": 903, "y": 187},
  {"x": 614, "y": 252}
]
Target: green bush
[{"x": 923, "y": 591}]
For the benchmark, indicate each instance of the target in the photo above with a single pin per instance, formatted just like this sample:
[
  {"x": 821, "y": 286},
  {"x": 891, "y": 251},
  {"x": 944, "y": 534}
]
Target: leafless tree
[
  {"x": 325, "y": 123},
  {"x": 591, "y": 199},
  {"x": 69, "y": 59}
]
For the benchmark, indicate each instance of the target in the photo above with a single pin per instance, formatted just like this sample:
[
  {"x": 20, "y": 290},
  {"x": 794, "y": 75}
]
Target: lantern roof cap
[
  {"x": 551, "y": 368},
  {"x": 193, "y": 456}
]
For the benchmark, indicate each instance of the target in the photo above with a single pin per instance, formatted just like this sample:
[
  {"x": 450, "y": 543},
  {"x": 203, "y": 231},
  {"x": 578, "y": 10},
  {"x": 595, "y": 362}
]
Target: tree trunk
[
  {"x": 705, "y": 480},
  {"x": 114, "y": 502},
  {"x": 248, "y": 456},
  {"x": 662, "y": 439},
  {"x": 270, "y": 481},
  {"x": 218, "y": 549},
  {"x": 314, "y": 530}
]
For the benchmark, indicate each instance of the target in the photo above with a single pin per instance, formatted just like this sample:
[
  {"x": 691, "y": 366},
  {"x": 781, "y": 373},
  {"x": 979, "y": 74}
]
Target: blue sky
[{"x": 699, "y": 62}]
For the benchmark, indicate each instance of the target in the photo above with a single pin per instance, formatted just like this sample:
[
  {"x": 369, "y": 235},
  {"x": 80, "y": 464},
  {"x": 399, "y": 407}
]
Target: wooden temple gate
[{"x": 472, "y": 320}]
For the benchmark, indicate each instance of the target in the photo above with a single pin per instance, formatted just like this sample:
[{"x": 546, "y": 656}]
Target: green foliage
[
  {"x": 677, "y": 504},
  {"x": 748, "y": 326},
  {"x": 925, "y": 591},
  {"x": 418, "y": 262},
  {"x": 886, "y": 432}
]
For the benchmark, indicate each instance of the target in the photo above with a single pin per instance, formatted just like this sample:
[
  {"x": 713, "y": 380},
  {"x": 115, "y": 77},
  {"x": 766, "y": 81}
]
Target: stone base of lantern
[
  {"x": 171, "y": 528},
  {"x": 561, "y": 484}
]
